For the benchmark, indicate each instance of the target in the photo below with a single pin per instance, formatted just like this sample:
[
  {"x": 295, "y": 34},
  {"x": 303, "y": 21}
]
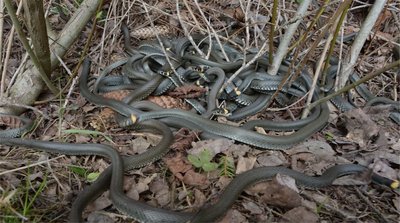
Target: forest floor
[{"x": 40, "y": 187}]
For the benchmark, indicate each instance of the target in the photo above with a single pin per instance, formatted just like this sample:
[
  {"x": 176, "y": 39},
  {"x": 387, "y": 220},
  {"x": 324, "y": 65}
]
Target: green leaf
[
  {"x": 91, "y": 177},
  {"x": 209, "y": 166},
  {"x": 227, "y": 166},
  {"x": 329, "y": 136},
  {"x": 195, "y": 161},
  {"x": 78, "y": 170},
  {"x": 205, "y": 156}
]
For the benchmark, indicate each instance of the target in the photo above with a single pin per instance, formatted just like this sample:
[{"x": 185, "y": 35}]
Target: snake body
[{"x": 147, "y": 69}]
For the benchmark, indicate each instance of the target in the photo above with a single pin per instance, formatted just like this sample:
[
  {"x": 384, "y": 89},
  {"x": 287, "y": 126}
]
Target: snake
[{"x": 133, "y": 115}]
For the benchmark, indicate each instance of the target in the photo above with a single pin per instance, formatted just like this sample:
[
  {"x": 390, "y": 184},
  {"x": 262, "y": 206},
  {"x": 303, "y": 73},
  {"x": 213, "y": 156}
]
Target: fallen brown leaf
[
  {"x": 195, "y": 179},
  {"x": 299, "y": 214},
  {"x": 178, "y": 165}
]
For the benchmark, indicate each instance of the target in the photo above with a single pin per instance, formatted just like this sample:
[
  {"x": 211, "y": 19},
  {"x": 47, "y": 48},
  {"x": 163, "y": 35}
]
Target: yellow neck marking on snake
[
  {"x": 237, "y": 91},
  {"x": 133, "y": 118},
  {"x": 395, "y": 184}
]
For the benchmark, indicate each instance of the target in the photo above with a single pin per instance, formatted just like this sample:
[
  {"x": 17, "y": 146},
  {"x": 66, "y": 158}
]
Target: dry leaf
[
  {"x": 213, "y": 145},
  {"x": 178, "y": 165},
  {"x": 97, "y": 217},
  {"x": 140, "y": 145},
  {"x": 233, "y": 216},
  {"x": 361, "y": 129},
  {"x": 252, "y": 207},
  {"x": 161, "y": 190},
  {"x": 184, "y": 138},
  {"x": 195, "y": 179},
  {"x": 396, "y": 203},
  {"x": 199, "y": 198},
  {"x": 100, "y": 203},
  {"x": 245, "y": 164},
  {"x": 300, "y": 214},
  {"x": 275, "y": 193},
  {"x": 276, "y": 158}
]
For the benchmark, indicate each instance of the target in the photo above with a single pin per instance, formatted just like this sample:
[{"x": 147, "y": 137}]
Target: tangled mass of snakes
[{"x": 154, "y": 68}]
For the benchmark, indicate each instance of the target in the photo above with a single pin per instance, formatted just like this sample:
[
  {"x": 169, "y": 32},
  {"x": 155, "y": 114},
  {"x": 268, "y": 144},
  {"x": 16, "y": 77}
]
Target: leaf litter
[{"x": 369, "y": 139}]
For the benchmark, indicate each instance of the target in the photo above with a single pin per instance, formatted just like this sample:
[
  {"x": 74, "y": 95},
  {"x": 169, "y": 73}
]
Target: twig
[
  {"x": 74, "y": 73},
  {"x": 22, "y": 37},
  {"x": 31, "y": 165},
  {"x": 197, "y": 23},
  {"x": 200, "y": 28},
  {"x": 351, "y": 58},
  {"x": 272, "y": 30},
  {"x": 9, "y": 104},
  {"x": 8, "y": 53},
  {"x": 187, "y": 34},
  {"x": 103, "y": 35},
  {"x": 159, "y": 40},
  {"x": 350, "y": 86},
  {"x": 117, "y": 25},
  {"x": 212, "y": 29},
  {"x": 71, "y": 88},
  {"x": 261, "y": 51},
  {"x": 17, "y": 72},
  {"x": 283, "y": 46},
  {"x": 371, "y": 205},
  {"x": 328, "y": 49},
  {"x": 316, "y": 75},
  {"x": 1, "y": 46},
  {"x": 246, "y": 20}
]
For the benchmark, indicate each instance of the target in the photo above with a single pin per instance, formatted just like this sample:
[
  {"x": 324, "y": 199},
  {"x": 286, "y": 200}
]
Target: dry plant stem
[
  {"x": 351, "y": 58},
  {"x": 184, "y": 27},
  {"x": 316, "y": 75},
  {"x": 103, "y": 35},
  {"x": 379, "y": 21},
  {"x": 257, "y": 32},
  {"x": 300, "y": 42},
  {"x": 36, "y": 24},
  {"x": 31, "y": 165},
  {"x": 337, "y": 13},
  {"x": 22, "y": 37},
  {"x": 333, "y": 42},
  {"x": 284, "y": 44},
  {"x": 309, "y": 53},
  {"x": 212, "y": 29},
  {"x": 159, "y": 40},
  {"x": 116, "y": 26},
  {"x": 371, "y": 205},
  {"x": 272, "y": 30},
  {"x": 73, "y": 81},
  {"x": 350, "y": 86},
  {"x": 87, "y": 44},
  {"x": 15, "y": 75},
  {"x": 261, "y": 51},
  {"x": 197, "y": 23},
  {"x": 14, "y": 104},
  {"x": 4, "y": 63},
  {"x": 1, "y": 46},
  {"x": 200, "y": 28},
  {"x": 246, "y": 20},
  {"x": 92, "y": 6}
]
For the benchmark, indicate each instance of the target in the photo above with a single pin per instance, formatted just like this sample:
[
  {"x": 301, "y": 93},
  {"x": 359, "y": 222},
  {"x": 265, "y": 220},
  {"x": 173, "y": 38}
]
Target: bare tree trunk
[
  {"x": 29, "y": 84},
  {"x": 36, "y": 22}
]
